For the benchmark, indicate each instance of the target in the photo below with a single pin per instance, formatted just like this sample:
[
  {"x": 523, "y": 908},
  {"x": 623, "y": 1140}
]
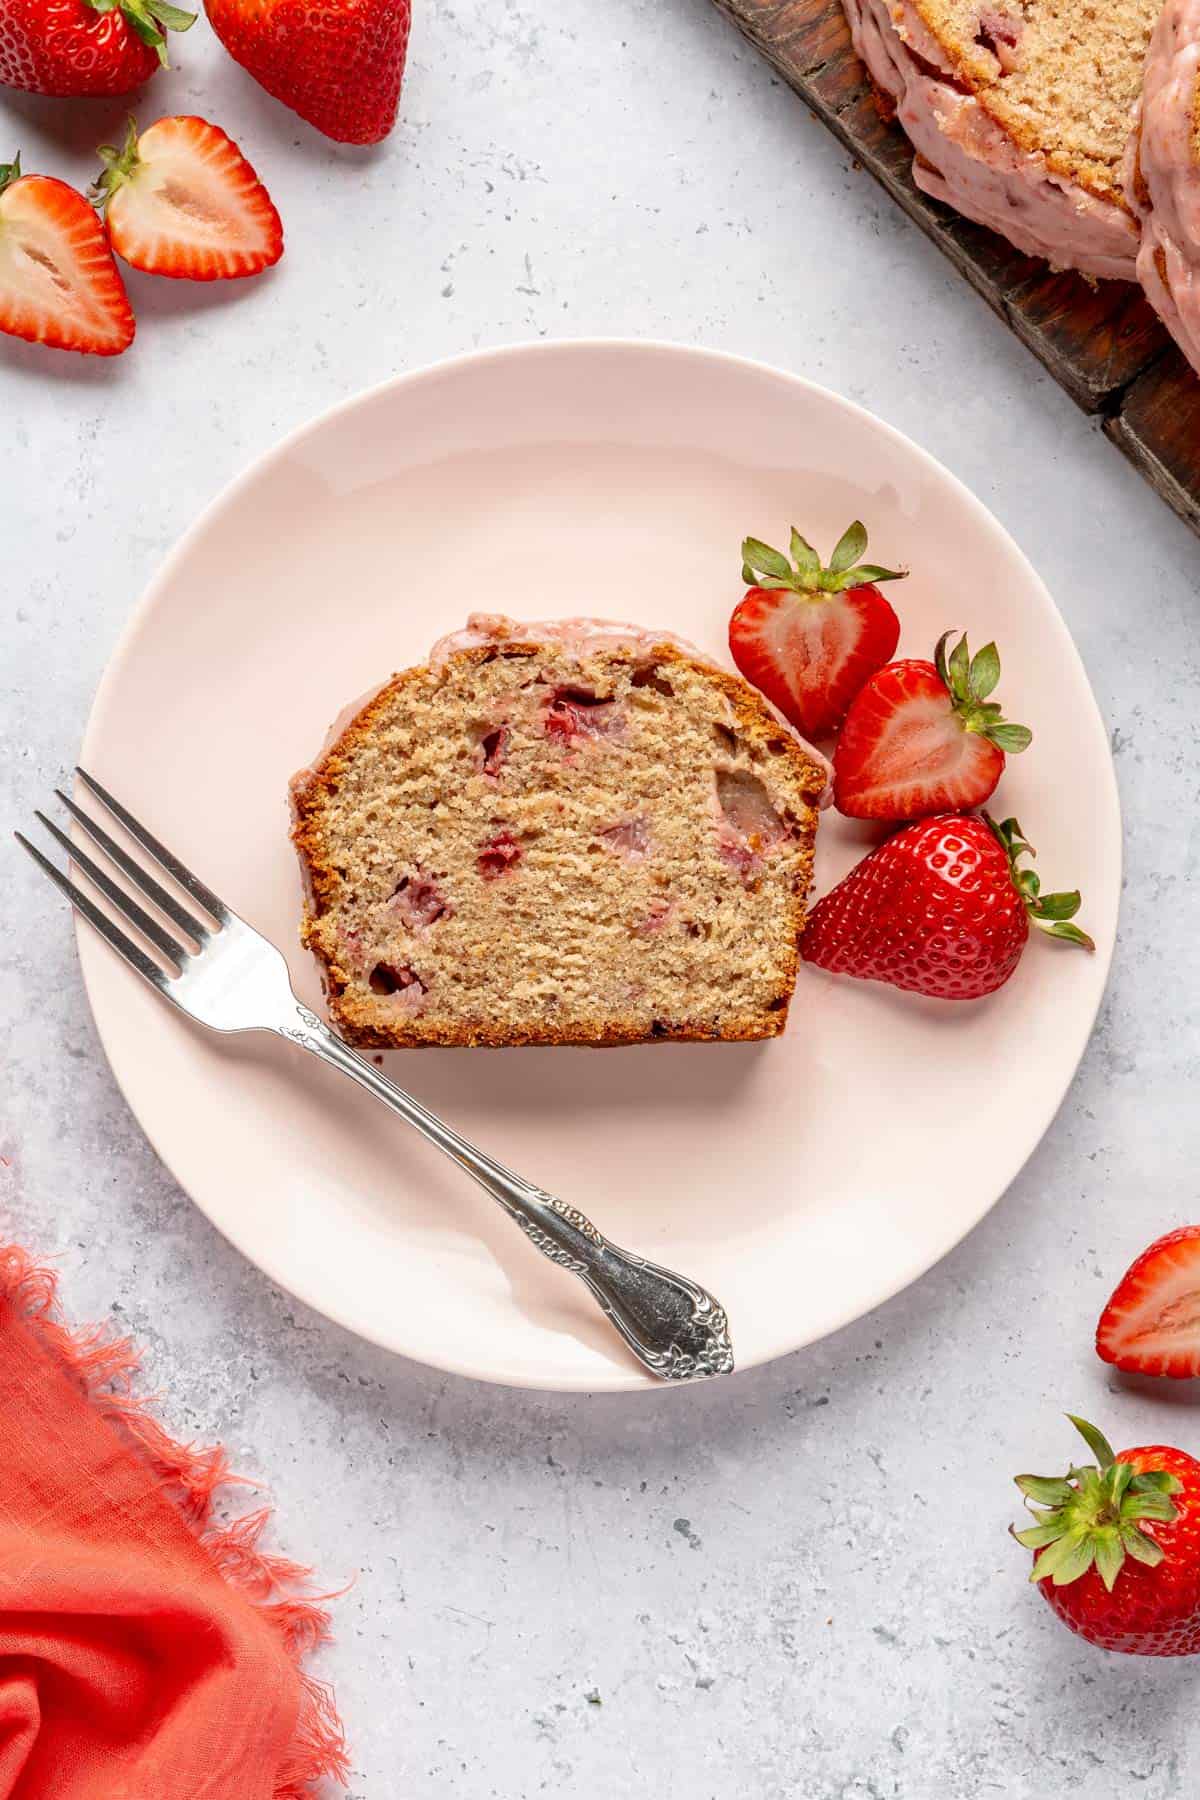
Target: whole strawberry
[
  {"x": 808, "y": 636},
  {"x": 925, "y": 737},
  {"x": 1117, "y": 1546},
  {"x": 942, "y": 908},
  {"x": 85, "y": 47},
  {"x": 340, "y": 67}
]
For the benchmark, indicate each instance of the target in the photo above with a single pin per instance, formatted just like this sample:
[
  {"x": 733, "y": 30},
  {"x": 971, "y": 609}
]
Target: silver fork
[{"x": 230, "y": 978}]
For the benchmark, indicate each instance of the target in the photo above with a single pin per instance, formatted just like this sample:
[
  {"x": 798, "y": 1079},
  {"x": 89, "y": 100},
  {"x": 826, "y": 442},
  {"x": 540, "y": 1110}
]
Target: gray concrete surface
[{"x": 797, "y": 1584}]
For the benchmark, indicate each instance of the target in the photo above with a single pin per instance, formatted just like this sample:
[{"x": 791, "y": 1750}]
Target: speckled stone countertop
[{"x": 797, "y": 1583}]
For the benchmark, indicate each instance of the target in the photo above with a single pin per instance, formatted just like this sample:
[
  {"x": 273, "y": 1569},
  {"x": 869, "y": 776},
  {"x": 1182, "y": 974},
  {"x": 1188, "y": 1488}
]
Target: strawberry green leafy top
[
  {"x": 1051, "y": 913},
  {"x": 969, "y": 680},
  {"x": 1092, "y": 1516},
  {"x": 149, "y": 20},
  {"x": 806, "y": 573}
]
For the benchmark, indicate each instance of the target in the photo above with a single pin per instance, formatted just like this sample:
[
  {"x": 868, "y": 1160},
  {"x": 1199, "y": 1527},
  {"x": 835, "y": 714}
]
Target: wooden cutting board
[{"x": 1102, "y": 343}]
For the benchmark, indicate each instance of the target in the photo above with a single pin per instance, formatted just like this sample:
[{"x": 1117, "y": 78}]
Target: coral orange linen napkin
[{"x": 145, "y": 1653}]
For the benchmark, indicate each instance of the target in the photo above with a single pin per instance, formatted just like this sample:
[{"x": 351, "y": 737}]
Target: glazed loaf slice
[
  {"x": 558, "y": 834},
  {"x": 1020, "y": 112}
]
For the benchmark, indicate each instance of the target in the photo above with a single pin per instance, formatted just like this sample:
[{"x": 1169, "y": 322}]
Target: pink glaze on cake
[
  {"x": 966, "y": 158},
  {"x": 578, "y": 637},
  {"x": 1167, "y": 196}
]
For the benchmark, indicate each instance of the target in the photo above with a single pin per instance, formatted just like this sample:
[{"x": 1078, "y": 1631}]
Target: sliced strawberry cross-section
[
  {"x": 181, "y": 200},
  {"x": 808, "y": 635},
  {"x": 1151, "y": 1325},
  {"x": 59, "y": 284},
  {"x": 925, "y": 737}
]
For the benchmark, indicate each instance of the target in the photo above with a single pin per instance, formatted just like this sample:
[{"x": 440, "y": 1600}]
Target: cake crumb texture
[
  {"x": 1062, "y": 76},
  {"x": 529, "y": 844}
]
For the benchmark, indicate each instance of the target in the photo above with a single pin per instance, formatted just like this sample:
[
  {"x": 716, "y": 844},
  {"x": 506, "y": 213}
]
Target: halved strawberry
[
  {"x": 923, "y": 738},
  {"x": 809, "y": 636},
  {"x": 58, "y": 282},
  {"x": 182, "y": 200},
  {"x": 1151, "y": 1326}
]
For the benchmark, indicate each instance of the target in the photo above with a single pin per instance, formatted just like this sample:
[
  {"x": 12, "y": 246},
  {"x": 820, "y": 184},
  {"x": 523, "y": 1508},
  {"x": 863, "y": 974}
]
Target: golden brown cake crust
[{"x": 315, "y": 792}]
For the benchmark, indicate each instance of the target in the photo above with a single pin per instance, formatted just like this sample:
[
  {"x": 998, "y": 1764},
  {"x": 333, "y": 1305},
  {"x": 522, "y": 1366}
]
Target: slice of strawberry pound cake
[{"x": 569, "y": 833}]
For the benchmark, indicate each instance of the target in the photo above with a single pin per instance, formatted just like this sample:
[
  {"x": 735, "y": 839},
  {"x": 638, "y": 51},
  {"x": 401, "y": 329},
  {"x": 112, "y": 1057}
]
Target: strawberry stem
[
  {"x": 969, "y": 680},
  {"x": 1093, "y": 1514},
  {"x": 1051, "y": 913},
  {"x": 806, "y": 573},
  {"x": 150, "y": 20},
  {"x": 118, "y": 166},
  {"x": 10, "y": 172}
]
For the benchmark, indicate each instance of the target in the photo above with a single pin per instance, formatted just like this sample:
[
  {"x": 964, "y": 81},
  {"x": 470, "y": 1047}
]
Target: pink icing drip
[
  {"x": 577, "y": 637},
  {"x": 974, "y": 165},
  {"x": 1166, "y": 155}
]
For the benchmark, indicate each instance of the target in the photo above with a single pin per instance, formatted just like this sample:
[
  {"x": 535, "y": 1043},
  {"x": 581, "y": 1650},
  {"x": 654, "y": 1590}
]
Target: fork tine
[
  {"x": 137, "y": 915},
  {"x": 165, "y": 902},
  {"x": 124, "y": 946},
  {"x": 189, "y": 882}
]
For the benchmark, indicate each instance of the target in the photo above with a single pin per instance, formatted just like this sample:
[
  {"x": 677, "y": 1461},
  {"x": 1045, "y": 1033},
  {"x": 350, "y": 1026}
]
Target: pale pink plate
[{"x": 802, "y": 1181}]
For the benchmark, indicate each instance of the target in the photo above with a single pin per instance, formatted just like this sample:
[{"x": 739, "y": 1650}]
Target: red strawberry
[
  {"x": 89, "y": 47},
  {"x": 340, "y": 67},
  {"x": 941, "y": 908},
  {"x": 182, "y": 200},
  {"x": 58, "y": 282},
  {"x": 923, "y": 737},
  {"x": 811, "y": 638},
  {"x": 1151, "y": 1325},
  {"x": 1117, "y": 1546}
]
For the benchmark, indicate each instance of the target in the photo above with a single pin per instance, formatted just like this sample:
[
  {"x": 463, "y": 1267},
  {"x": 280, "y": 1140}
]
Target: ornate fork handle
[
  {"x": 223, "y": 974},
  {"x": 674, "y": 1327}
]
